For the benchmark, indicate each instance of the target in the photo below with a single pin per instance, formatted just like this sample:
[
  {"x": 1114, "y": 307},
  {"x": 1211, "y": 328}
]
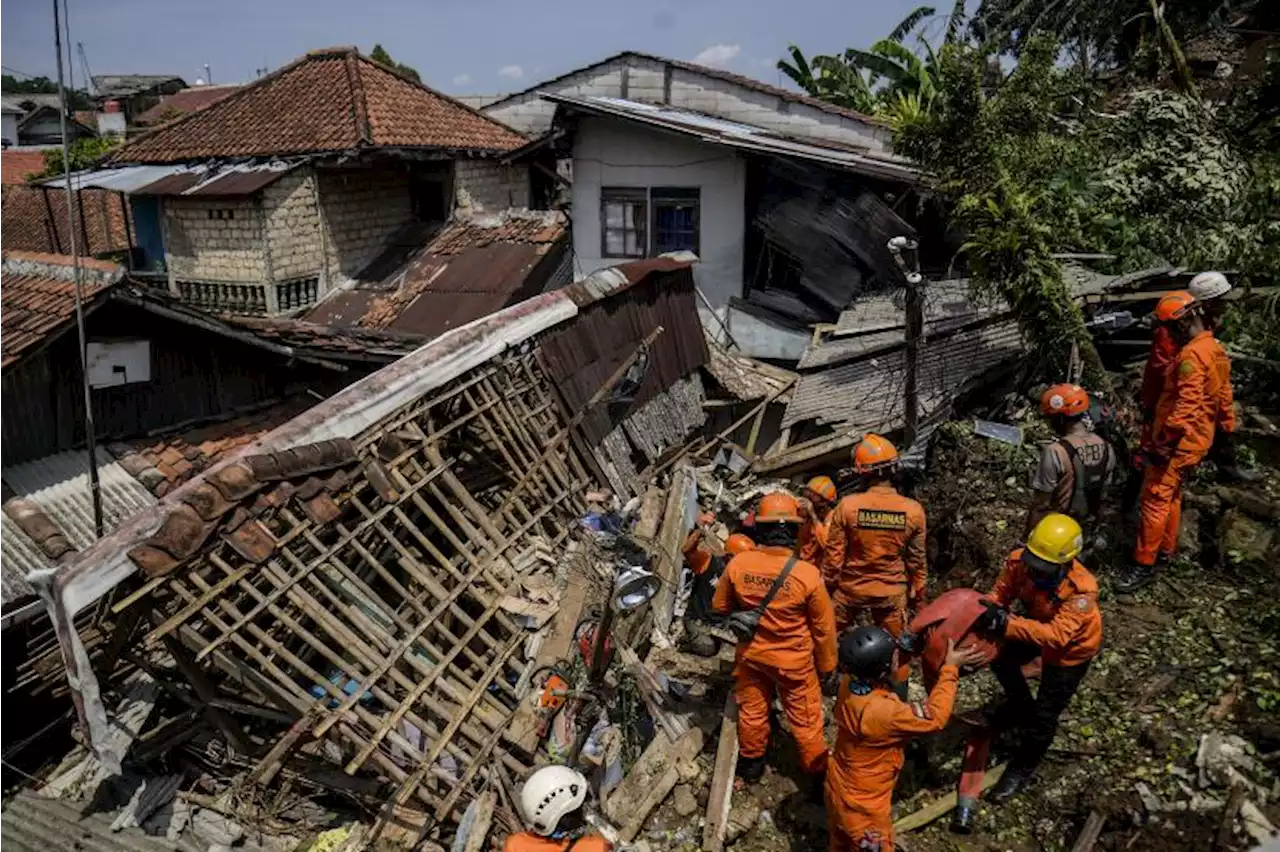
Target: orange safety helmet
[
  {"x": 1064, "y": 399},
  {"x": 738, "y": 543},
  {"x": 1174, "y": 306},
  {"x": 778, "y": 508},
  {"x": 873, "y": 453},
  {"x": 823, "y": 487}
]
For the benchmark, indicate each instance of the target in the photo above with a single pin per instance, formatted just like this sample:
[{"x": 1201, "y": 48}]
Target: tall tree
[{"x": 380, "y": 55}]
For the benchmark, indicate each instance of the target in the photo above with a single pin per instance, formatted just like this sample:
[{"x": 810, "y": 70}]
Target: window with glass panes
[
  {"x": 623, "y": 216},
  {"x": 675, "y": 219}
]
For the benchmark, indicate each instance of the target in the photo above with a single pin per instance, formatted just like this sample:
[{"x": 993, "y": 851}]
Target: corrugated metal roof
[
  {"x": 868, "y": 394},
  {"x": 744, "y": 136},
  {"x": 127, "y": 179},
  {"x": 60, "y": 485}
]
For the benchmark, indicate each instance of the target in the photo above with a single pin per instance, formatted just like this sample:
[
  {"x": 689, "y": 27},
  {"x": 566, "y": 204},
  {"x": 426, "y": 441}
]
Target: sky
[{"x": 476, "y": 47}]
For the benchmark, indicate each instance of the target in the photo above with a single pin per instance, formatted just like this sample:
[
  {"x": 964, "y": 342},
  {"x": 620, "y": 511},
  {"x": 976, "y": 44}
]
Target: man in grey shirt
[{"x": 1075, "y": 469}]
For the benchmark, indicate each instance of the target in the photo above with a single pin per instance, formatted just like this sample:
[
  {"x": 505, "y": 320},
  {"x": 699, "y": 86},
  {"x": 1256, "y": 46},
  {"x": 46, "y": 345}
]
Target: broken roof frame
[
  {"x": 741, "y": 136},
  {"x": 312, "y": 559}
]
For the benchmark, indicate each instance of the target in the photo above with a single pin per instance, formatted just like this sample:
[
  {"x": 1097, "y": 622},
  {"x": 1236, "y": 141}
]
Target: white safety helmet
[
  {"x": 549, "y": 794},
  {"x": 1209, "y": 285}
]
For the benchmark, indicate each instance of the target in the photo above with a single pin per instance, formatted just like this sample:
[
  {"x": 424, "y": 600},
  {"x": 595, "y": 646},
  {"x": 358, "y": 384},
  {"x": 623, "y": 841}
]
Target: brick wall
[
  {"x": 486, "y": 186},
  {"x": 362, "y": 208},
  {"x": 293, "y": 226},
  {"x": 214, "y": 239}
]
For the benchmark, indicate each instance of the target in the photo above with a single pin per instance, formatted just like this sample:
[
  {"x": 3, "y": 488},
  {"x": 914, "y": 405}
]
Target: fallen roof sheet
[
  {"x": 332, "y": 100},
  {"x": 427, "y": 281},
  {"x": 867, "y": 394},
  {"x": 59, "y": 486},
  {"x": 746, "y": 137},
  {"x": 746, "y": 378}
]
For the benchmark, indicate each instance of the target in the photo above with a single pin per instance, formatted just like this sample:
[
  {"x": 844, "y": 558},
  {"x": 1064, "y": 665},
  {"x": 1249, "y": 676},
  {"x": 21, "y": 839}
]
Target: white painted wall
[
  {"x": 645, "y": 81},
  {"x": 609, "y": 153},
  {"x": 9, "y": 128}
]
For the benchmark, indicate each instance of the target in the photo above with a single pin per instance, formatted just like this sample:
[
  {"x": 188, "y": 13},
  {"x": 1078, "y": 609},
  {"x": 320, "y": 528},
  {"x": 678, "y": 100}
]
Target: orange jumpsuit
[
  {"x": 811, "y": 544},
  {"x": 876, "y": 559},
  {"x": 1196, "y": 402},
  {"x": 1065, "y": 624},
  {"x": 794, "y": 646},
  {"x": 1164, "y": 350},
  {"x": 527, "y": 841},
  {"x": 872, "y": 731}
]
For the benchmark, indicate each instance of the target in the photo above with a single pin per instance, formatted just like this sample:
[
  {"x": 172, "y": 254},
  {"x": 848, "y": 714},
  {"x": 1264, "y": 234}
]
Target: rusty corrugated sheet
[
  {"x": 174, "y": 184},
  {"x": 582, "y": 356},
  {"x": 239, "y": 182}
]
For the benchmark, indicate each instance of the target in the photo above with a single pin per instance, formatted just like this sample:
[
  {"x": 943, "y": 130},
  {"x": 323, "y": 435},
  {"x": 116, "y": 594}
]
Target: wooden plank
[
  {"x": 943, "y": 806},
  {"x": 1235, "y": 800},
  {"x": 1089, "y": 834},
  {"x": 478, "y": 831},
  {"x": 522, "y": 732},
  {"x": 669, "y": 558},
  {"x": 655, "y": 774},
  {"x": 722, "y": 780}
]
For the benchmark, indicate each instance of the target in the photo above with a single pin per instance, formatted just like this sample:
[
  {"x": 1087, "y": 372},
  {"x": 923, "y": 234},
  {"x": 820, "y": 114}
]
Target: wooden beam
[
  {"x": 943, "y": 806},
  {"x": 650, "y": 780},
  {"x": 669, "y": 556},
  {"x": 1089, "y": 834},
  {"x": 722, "y": 780}
]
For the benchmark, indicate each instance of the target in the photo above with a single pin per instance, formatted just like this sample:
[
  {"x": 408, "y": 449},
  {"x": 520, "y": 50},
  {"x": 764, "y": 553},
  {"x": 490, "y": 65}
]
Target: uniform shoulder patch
[
  {"x": 1081, "y": 603},
  {"x": 1185, "y": 367}
]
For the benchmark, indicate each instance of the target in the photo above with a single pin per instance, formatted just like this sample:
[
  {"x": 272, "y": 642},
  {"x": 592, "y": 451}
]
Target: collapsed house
[{"x": 338, "y": 595}]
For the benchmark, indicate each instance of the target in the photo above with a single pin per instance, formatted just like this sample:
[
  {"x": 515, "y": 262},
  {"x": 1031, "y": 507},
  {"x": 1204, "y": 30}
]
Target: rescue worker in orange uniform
[
  {"x": 1210, "y": 290},
  {"x": 553, "y": 802},
  {"x": 1074, "y": 470},
  {"x": 707, "y": 567},
  {"x": 792, "y": 651},
  {"x": 815, "y": 507},
  {"x": 876, "y": 549},
  {"x": 1063, "y": 626},
  {"x": 1196, "y": 403},
  {"x": 873, "y": 728}
]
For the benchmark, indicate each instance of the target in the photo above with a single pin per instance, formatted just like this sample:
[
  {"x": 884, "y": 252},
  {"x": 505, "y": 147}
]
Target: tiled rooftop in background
[
  {"x": 328, "y": 101},
  {"x": 36, "y": 302}
]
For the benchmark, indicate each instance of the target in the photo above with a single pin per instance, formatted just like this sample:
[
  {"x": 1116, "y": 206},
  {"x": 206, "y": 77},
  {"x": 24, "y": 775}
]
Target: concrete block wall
[
  {"x": 361, "y": 209},
  {"x": 645, "y": 81},
  {"x": 487, "y": 186},
  {"x": 609, "y": 153},
  {"x": 293, "y": 226},
  {"x": 214, "y": 239}
]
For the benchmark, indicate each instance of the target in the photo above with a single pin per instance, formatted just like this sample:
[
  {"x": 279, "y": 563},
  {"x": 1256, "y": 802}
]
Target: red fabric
[
  {"x": 950, "y": 617},
  {"x": 801, "y": 696},
  {"x": 1164, "y": 349}
]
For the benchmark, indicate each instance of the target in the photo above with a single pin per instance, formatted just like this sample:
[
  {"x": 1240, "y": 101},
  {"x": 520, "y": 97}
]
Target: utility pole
[
  {"x": 95, "y": 487},
  {"x": 910, "y": 266}
]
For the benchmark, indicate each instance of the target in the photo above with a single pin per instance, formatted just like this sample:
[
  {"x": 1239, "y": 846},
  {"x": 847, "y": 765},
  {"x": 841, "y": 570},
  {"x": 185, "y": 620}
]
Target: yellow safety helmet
[{"x": 1054, "y": 542}]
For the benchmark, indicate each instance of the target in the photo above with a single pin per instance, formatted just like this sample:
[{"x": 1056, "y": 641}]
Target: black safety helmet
[{"x": 866, "y": 652}]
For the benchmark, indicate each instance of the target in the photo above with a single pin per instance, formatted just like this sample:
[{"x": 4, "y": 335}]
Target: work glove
[
  {"x": 993, "y": 621},
  {"x": 831, "y": 683}
]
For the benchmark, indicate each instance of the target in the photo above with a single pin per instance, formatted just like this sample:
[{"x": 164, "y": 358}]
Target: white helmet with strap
[
  {"x": 549, "y": 794},
  {"x": 1209, "y": 285}
]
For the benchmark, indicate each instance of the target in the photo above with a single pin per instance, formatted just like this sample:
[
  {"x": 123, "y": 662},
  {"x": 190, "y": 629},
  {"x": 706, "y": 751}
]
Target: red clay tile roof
[
  {"x": 37, "y": 297},
  {"x": 328, "y": 101},
  {"x": 16, "y": 166},
  {"x": 164, "y": 462},
  {"x": 426, "y": 283},
  {"x": 26, "y": 225},
  {"x": 182, "y": 102}
]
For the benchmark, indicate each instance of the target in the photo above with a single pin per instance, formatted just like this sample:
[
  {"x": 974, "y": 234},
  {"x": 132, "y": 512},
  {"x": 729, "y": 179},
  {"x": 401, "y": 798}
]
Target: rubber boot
[
  {"x": 962, "y": 816},
  {"x": 1011, "y": 783},
  {"x": 1134, "y": 577},
  {"x": 750, "y": 769}
]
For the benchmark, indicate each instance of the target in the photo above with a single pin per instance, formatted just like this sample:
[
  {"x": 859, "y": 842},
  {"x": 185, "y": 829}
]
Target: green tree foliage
[
  {"x": 380, "y": 55},
  {"x": 15, "y": 87},
  {"x": 829, "y": 78},
  {"x": 85, "y": 154}
]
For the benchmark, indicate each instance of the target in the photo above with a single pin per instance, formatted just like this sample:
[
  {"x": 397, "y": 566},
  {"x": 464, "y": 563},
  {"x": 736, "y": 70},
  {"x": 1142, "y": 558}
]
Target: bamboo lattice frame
[{"x": 397, "y": 599}]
